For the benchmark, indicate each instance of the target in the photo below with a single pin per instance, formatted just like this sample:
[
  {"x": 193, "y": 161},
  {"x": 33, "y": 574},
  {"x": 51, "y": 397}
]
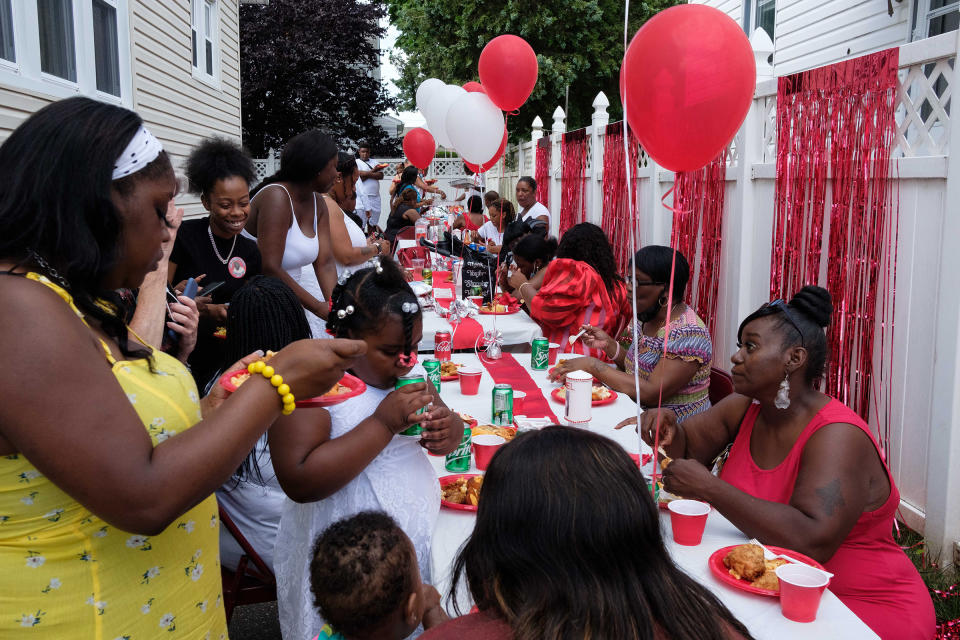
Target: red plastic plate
[
  {"x": 555, "y": 394},
  {"x": 452, "y": 505},
  {"x": 509, "y": 312},
  {"x": 357, "y": 386},
  {"x": 722, "y": 574}
]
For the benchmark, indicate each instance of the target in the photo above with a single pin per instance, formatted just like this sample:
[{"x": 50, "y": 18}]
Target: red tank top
[{"x": 872, "y": 575}]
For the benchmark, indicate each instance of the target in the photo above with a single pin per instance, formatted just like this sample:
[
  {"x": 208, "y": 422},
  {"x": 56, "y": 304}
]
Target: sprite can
[
  {"x": 476, "y": 290},
  {"x": 432, "y": 367},
  {"x": 458, "y": 460},
  {"x": 540, "y": 354},
  {"x": 502, "y": 409},
  {"x": 402, "y": 381}
]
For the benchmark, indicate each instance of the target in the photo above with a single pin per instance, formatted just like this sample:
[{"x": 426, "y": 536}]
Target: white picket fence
[{"x": 925, "y": 455}]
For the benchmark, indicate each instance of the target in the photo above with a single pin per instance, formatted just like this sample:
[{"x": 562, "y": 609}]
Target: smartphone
[
  {"x": 190, "y": 291},
  {"x": 210, "y": 288}
]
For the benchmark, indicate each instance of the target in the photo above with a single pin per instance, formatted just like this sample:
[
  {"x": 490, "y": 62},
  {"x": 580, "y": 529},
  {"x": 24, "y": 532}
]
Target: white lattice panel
[
  {"x": 923, "y": 108},
  {"x": 769, "y": 146}
]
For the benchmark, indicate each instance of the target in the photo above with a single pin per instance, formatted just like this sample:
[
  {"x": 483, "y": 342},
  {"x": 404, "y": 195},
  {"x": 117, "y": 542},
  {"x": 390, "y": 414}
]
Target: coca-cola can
[{"x": 442, "y": 346}]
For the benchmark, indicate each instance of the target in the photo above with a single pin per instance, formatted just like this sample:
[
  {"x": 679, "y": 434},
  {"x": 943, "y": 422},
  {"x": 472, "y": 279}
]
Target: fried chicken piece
[
  {"x": 767, "y": 581},
  {"x": 473, "y": 490},
  {"x": 745, "y": 562}
]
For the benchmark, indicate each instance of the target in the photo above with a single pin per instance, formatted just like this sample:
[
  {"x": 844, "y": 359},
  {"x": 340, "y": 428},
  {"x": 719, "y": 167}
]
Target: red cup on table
[
  {"x": 477, "y": 300},
  {"x": 469, "y": 380},
  {"x": 801, "y": 587},
  {"x": 484, "y": 446},
  {"x": 553, "y": 353},
  {"x": 688, "y": 519},
  {"x": 518, "y": 398}
]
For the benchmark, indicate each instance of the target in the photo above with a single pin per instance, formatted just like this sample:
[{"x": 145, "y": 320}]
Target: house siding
[{"x": 814, "y": 33}]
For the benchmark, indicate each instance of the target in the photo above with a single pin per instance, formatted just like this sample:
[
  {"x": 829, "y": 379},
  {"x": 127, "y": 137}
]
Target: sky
[{"x": 389, "y": 73}]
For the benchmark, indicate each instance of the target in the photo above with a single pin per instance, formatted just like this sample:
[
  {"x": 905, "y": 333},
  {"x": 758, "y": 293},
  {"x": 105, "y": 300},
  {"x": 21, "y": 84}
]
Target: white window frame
[
  {"x": 923, "y": 16},
  {"x": 198, "y": 23},
  {"x": 750, "y": 12},
  {"x": 26, "y": 74}
]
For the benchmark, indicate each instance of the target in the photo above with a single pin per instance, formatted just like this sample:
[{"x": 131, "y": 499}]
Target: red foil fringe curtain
[
  {"x": 617, "y": 217},
  {"x": 541, "y": 172},
  {"x": 698, "y": 203},
  {"x": 573, "y": 205},
  {"x": 840, "y": 119}
]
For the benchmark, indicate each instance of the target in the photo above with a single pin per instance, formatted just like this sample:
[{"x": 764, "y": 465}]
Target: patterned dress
[
  {"x": 689, "y": 341},
  {"x": 68, "y": 574}
]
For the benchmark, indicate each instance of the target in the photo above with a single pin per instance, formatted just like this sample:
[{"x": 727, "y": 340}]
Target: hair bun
[{"x": 814, "y": 303}]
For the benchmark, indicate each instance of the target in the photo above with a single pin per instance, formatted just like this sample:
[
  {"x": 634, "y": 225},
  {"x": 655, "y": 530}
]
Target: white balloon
[
  {"x": 475, "y": 127},
  {"x": 426, "y": 90},
  {"x": 435, "y": 111}
]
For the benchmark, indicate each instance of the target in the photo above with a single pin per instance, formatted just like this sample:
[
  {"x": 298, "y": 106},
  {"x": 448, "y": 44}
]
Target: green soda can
[
  {"x": 502, "y": 409},
  {"x": 476, "y": 290},
  {"x": 432, "y": 367},
  {"x": 402, "y": 381},
  {"x": 540, "y": 354},
  {"x": 458, "y": 460},
  {"x": 427, "y": 274}
]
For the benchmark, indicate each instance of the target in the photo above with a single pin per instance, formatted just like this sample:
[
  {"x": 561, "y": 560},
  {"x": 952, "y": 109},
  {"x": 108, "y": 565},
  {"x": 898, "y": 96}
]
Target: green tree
[
  {"x": 306, "y": 64},
  {"x": 579, "y": 44}
]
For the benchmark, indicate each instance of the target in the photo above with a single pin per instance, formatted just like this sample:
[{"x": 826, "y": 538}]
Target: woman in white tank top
[
  {"x": 289, "y": 221},
  {"x": 351, "y": 249}
]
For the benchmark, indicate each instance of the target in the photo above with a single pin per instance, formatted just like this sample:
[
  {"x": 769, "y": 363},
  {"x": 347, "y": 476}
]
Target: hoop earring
[
  {"x": 782, "y": 401},
  {"x": 662, "y": 301}
]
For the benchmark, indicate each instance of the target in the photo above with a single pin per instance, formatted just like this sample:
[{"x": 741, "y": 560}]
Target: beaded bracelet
[{"x": 261, "y": 367}]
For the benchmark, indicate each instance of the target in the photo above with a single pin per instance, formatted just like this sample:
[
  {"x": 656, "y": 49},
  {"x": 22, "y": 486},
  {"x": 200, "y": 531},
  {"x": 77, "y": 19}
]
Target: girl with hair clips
[
  {"x": 288, "y": 218},
  {"x": 265, "y": 315},
  {"x": 108, "y": 458},
  {"x": 581, "y": 286},
  {"x": 347, "y": 242},
  {"x": 351, "y": 457},
  {"x": 491, "y": 232},
  {"x": 213, "y": 247},
  {"x": 803, "y": 471},
  {"x": 684, "y": 374},
  {"x": 598, "y": 570}
]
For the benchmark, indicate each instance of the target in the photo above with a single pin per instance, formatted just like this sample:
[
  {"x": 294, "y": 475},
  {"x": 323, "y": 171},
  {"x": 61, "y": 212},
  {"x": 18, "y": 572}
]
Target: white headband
[{"x": 142, "y": 150}]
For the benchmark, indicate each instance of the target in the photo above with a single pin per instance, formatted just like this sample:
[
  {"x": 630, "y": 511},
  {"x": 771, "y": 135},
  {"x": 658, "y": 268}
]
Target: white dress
[
  {"x": 399, "y": 481},
  {"x": 357, "y": 240}
]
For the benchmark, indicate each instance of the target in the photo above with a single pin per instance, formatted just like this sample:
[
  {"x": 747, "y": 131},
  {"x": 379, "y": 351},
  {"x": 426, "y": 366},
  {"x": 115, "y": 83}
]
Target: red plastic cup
[
  {"x": 552, "y": 353},
  {"x": 688, "y": 519},
  {"x": 484, "y": 446},
  {"x": 518, "y": 398},
  {"x": 477, "y": 300},
  {"x": 801, "y": 587},
  {"x": 469, "y": 380}
]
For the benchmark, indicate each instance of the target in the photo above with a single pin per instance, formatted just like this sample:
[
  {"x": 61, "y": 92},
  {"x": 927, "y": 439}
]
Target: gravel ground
[{"x": 255, "y": 622}]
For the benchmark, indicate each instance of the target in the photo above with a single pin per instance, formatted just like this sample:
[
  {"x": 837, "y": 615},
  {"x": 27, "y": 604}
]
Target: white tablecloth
[
  {"x": 760, "y": 614},
  {"x": 516, "y": 328}
]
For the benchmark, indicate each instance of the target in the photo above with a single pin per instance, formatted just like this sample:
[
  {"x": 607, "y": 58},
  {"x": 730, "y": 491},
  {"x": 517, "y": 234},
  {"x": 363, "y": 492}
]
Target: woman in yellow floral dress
[{"x": 108, "y": 526}]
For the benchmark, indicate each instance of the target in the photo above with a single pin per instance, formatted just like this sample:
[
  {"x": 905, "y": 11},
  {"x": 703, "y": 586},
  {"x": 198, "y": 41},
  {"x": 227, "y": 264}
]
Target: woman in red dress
[
  {"x": 581, "y": 286},
  {"x": 803, "y": 471}
]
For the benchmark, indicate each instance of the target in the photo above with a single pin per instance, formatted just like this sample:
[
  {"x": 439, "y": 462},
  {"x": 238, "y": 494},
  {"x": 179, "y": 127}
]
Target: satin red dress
[
  {"x": 872, "y": 574},
  {"x": 573, "y": 294}
]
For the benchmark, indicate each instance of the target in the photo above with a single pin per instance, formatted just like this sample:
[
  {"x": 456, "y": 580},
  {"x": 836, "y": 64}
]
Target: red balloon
[
  {"x": 419, "y": 147},
  {"x": 508, "y": 71},
  {"x": 474, "y": 87},
  {"x": 687, "y": 82},
  {"x": 486, "y": 166}
]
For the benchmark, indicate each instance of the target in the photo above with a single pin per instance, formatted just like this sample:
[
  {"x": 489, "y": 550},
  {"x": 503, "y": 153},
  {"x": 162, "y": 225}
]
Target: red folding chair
[
  {"x": 253, "y": 581},
  {"x": 721, "y": 385}
]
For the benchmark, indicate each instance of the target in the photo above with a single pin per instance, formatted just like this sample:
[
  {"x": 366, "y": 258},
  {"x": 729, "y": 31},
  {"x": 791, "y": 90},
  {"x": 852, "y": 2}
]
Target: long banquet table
[
  {"x": 515, "y": 328},
  {"x": 760, "y": 614}
]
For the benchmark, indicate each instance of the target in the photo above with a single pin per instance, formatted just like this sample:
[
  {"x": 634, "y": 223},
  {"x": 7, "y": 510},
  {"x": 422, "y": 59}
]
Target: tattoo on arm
[{"x": 830, "y": 497}]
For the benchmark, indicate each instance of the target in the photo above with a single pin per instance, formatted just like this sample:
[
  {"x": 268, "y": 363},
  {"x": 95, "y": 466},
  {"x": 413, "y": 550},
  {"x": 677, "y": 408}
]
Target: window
[
  {"x": 62, "y": 48},
  {"x": 759, "y": 14},
  {"x": 57, "y": 46},
  {"x": 8, "y": 51},
  {"x": 933, "y": 17},
  {"x": 106, "y": 55},
  {"x": 204, "y": 29}
]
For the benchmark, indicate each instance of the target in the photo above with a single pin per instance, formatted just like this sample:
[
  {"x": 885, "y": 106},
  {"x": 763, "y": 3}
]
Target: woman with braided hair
[{"x": 351, "y": 457}]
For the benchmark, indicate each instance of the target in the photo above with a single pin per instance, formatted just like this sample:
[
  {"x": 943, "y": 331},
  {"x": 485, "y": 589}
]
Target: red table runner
[{"x": 507, "y": 370}]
